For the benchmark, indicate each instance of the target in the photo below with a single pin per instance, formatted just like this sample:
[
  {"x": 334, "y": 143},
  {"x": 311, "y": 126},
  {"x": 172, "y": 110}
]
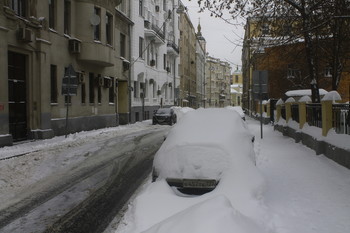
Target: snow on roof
[
  {"x": 332, "y": 95},
  {"x": 304, "y": 92}
]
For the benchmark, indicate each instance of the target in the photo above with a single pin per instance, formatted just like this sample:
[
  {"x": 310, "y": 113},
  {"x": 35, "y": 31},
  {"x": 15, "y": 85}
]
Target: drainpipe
[{"x": 130, "y": 56}]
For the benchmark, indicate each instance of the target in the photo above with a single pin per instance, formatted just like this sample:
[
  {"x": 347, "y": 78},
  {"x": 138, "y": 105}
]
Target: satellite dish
[{"x": 95, "y": 20}]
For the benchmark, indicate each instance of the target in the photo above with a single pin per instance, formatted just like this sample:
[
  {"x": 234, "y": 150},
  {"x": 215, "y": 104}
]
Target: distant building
[
  {"x": 200, "y": 65},
  {"x": 236, "y": 88},
  {"x": 218, "y": 82},
  {"x": 155, "y": 57}
]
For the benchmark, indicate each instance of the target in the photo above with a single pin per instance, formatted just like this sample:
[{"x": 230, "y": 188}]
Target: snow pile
[
  {"x": 237, "y": 109},
  {"x": 180, "y": 112},
  {"x": 200, "y": 219},
  {"x": 305, "y": 99},
  {"x": 332, "y": 96}
]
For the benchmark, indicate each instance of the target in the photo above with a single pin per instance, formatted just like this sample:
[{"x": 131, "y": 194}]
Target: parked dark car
[{"x": 164, "y": 116}]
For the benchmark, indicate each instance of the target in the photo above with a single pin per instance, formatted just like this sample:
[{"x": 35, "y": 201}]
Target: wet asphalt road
[{"x": 87, "y": 196}]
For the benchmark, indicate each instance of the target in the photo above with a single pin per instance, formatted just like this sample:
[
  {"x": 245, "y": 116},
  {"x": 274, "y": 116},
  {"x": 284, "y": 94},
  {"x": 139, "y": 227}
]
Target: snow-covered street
[{"x": 304, "y": 193}]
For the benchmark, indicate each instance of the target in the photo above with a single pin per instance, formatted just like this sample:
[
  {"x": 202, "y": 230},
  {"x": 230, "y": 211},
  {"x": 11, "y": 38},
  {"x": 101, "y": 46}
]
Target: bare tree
[{"x": 322, "y": 25}]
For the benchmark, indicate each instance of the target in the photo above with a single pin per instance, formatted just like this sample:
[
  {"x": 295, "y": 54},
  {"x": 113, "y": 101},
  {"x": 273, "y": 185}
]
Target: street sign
[
  {"x": 260, "y": 84},
  {"x": 70, "y": 82}
]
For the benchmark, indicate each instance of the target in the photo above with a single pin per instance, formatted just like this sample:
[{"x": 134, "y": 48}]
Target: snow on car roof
[
  {"x": 203, "y": 144},
  {"x": 207, "y": 127}
]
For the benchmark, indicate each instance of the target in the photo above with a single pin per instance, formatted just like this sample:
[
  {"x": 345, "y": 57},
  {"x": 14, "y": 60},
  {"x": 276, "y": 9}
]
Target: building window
[
  {"x": 164, "y": 5},
  {"x": 67, "y": 17},
  {"x": 164, "y": 61},
  {"x": 91, "y": 88},
  {"x": 293, "y": 72},
  {"x": 109, "y": 28},
  {"x": 122, "y": 45},
  {"x": 236, "y": 77},
  {"x": 53, "y": 78},
  {"x": 265, "y": 29},
  {"x": 141, "y": 7},
  {"x": 328, "y": 72},
  {"x": 83, "y": 93},
  {"x": 135, "y": 91},
  {"x": 20, "y": 7},
  {"x": 52, "y": 14},
  {"x": 141, "y": 47},
  {"x": 97, "y": 30},
  {"x": 99, "y": 92},
  {"x": 111, "y": 91}
]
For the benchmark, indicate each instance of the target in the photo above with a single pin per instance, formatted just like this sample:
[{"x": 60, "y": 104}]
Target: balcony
[
  {"x": 172, "y": 48},
  {"x": 97, "y": 54},
  {"x": 154, "y": 32}
]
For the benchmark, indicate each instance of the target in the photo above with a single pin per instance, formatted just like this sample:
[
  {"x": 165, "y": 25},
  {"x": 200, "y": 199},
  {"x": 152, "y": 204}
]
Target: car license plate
[{"x": 198, "y": 183}]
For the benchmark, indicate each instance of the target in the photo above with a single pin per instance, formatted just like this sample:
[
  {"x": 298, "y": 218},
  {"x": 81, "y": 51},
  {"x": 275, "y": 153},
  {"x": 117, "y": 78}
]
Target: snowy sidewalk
[{"x": 305, "y": 192}]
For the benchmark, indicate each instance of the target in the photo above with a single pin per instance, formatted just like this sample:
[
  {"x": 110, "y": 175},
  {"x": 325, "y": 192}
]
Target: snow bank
[{"x": 200, "y": 219}]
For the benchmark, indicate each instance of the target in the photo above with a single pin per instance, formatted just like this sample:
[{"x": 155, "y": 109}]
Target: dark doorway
[{"x": 17, "y": 96}]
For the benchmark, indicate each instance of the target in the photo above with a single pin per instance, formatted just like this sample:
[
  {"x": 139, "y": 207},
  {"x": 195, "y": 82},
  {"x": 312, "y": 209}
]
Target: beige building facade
[
  {"x": 39, "y": 41},
  {"x": 187, "y": 66},
  {"x": 218, "y": 78}
]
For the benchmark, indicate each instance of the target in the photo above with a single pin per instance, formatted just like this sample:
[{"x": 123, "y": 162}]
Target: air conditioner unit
[
  {"x": 100, "y": 81},
  {"x": 126, "y": 65},
  {"x": 74, "y": 46},
  {"x": 157, "y": 8},
  {"x": 25, "y": 34}
]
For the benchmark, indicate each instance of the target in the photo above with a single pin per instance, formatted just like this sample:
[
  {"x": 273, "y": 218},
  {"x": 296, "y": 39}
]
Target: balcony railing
[
  {"x": 155, "y": 30},
  {"x": 173, "y": 46}
]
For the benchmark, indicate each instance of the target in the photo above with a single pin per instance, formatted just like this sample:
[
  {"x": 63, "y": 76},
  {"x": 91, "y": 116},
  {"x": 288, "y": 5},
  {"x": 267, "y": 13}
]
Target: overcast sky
[{"x": 224, "y": 40}]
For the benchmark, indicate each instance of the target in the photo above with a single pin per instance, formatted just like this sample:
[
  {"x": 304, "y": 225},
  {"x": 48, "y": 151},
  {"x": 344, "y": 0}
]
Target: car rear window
[{"x": 163, "y": 110}]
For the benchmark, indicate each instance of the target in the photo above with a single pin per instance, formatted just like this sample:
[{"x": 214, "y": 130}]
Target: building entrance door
[{"x": 17, "y": 96}]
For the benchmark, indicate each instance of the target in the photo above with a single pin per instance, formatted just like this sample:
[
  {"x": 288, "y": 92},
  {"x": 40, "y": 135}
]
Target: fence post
[
  {"x": 302, "y": 114},
  {"x": 288, "y": 105},
  {"x": 278, "y": 109},
  {"x": 326, "y": 116}
]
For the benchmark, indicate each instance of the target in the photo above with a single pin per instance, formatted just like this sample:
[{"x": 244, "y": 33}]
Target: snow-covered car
[
  {"x": 164, "y": 116},
  {"x": 239, "y": 110},
  {"x": 201, "y": 147}
]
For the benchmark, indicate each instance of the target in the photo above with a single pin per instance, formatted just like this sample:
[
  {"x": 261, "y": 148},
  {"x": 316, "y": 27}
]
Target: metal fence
[
  {"x": 295, "y": 112},
  {"x": 341, "y": 118},
  {"x": 283, "y": 112},
  {"x": 314, "y": 114}
]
